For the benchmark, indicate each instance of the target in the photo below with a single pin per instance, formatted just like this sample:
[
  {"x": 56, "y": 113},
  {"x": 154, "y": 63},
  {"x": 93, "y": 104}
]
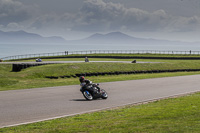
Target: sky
[{"x": 77, "y": 19}]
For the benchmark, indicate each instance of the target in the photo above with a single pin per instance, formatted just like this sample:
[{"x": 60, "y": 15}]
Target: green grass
[
  {"x": 77, "y": 68},
  {"x": 34, "y": 77},
  {"x": 174, "y": 115}
]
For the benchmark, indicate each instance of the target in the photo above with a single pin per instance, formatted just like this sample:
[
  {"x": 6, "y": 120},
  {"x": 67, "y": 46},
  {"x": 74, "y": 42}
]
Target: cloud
[
  {"x": 97, "y": 15},
  {"x": 13, "y": 25},
  {"x": 13, "y": 12}
]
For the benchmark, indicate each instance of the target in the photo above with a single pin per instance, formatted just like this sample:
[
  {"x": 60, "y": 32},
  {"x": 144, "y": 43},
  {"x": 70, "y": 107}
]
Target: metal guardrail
[{"x": 100, "y": 52}]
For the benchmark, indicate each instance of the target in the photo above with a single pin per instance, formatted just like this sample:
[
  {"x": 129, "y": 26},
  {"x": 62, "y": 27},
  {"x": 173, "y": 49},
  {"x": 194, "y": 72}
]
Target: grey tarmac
[
  {"x": 59, "y": 62},
  {"x": 39, "y": 104}
]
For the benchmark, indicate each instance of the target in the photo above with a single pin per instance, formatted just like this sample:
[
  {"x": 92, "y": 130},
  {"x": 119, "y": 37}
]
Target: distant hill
[
  {"x": 25, "y": 37},
  {"x": 109, "y": 38},
  {"x": 113, "y": 38},
  {"x": 121, "y": 38}
]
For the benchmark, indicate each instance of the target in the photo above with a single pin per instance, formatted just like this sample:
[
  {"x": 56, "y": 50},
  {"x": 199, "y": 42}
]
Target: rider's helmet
[{"x": 81, "y": 78}]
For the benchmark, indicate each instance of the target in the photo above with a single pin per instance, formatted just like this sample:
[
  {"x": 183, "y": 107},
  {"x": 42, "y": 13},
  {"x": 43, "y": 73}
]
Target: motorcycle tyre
[
  {"x": 105, "y": 95},
  {"x": 87, "y": 96}
]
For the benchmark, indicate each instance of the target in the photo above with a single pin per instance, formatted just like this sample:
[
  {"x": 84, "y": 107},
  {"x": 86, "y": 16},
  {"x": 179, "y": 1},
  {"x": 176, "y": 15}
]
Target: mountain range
[
  {"x": 121, "y": 38},
  {"x": 25, "y": 37},
  {"x": 110, "y": 38}
]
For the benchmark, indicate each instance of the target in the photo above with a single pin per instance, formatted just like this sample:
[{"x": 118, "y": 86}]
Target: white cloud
[{"x": 14, "y": 26}]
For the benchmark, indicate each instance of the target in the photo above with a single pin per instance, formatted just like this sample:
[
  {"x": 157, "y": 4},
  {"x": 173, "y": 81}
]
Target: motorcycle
[
  {"x": 92, "y": 91},
  {"x": 86, "y": 59}
]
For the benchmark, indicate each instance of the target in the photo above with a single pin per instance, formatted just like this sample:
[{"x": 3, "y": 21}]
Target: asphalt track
[
  {"x": 33, "y": 105},
  {"x": 54, "y": 62}
]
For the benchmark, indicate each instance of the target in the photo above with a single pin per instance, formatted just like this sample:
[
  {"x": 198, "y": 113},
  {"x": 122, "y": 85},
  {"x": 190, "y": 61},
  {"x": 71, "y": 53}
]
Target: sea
[{"x": 22, "y": 49}]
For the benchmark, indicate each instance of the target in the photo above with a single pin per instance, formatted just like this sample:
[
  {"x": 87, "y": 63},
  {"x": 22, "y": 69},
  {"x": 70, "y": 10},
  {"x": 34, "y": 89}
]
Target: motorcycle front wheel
[{"x": 87, "y": 95}]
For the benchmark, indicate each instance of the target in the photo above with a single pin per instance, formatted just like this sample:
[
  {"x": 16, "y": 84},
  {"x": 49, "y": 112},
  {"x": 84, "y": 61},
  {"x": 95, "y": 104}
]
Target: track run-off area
[{"x": 33, "y": 105}]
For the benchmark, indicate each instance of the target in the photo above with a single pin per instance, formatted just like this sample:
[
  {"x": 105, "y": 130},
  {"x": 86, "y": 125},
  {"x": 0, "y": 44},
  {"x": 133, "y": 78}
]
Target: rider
[
  {"x": 86, "y": 59},
  {"x": 84, "y": 82}
]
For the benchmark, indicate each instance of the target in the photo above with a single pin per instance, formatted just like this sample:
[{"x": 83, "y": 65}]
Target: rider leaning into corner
[{"x": 85, "y": 82}]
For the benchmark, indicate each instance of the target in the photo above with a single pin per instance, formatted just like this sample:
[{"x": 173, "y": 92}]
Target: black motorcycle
[{"x": 92, "y": 91}]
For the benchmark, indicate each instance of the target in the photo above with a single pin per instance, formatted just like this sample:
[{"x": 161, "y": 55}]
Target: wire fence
[{"x": 66, "y": 53}]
